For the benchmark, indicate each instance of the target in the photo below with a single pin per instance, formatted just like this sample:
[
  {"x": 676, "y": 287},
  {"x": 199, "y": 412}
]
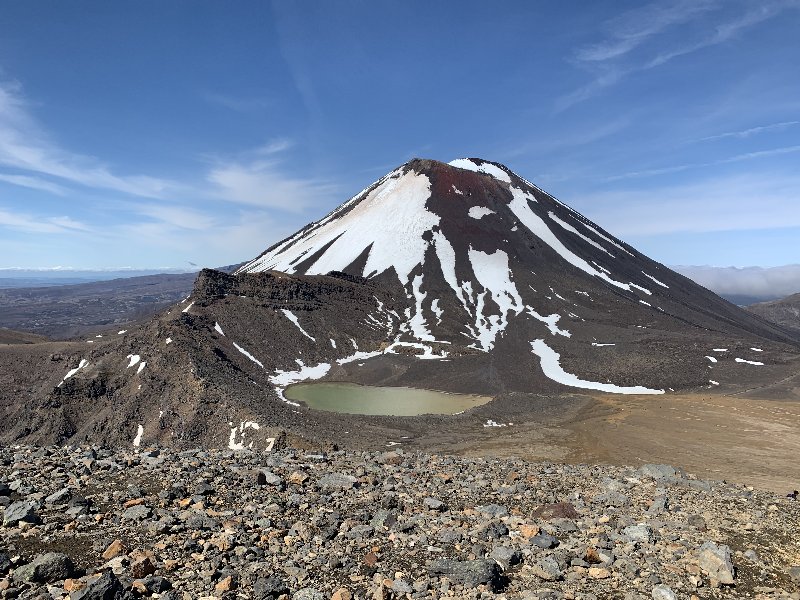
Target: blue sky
[{"x": 159, "y": 134}]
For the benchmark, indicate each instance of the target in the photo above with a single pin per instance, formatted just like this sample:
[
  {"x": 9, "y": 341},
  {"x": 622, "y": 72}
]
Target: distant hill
[
  {"x": 784, "y": 312},
  {"x": 9, "y": 336},
  {"x": 66, "y": 311}
]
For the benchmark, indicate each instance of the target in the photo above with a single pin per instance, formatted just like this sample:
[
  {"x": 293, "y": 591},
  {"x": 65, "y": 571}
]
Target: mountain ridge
[{"x": 436, "y": 276}]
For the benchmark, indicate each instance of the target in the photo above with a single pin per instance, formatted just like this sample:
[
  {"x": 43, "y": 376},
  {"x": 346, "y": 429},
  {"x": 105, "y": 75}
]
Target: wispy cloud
[
  {"x": 258, "y": 178},
  {"x": 725, "y": 31},
  {"x": 634, "y": 27},
  {"x": 723, "y": 161},
  {"x": 709, "y": 205},
  {"x": 35, "y": 183},
  {"x": 177, "y": 216},
  {"x": 566, "y": 140},
  {"x": 240, "y": 104},
  {"x": 746, "y": 133},
  {"x": 25, "y": 146},
  {"x": 613, "y": 59},
  {"x": 29, "y": 223}
]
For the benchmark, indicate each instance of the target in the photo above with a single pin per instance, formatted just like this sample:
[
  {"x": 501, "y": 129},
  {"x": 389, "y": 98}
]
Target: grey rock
[
  {"x": 270, "y": 478},
  {"x": 794, "y": 573},
  {"x": 46, "y": 568},
  {"x": 697, "y": 522},
  {"x": 400, "y": 586},
  {"x": 544, "y": 540},
  {"x": 663, "y": 592},
  {"x": 637, "y": 533},
  {"x": 616, "y": 499},
  {"x": 449, "y": 536},
  {"x": 493, "y": 531},
  {"x": 506, "y": 556},
  {"x": 469, "y": 573},
  {"x": 156, "y": 584},
  {"x": 62, "y": 496},
  {"x": 494, "y": 510},
  {"x": 5, "y": 563},
  {"x": 308, "y": 593},
  {"x": 548, "y": 569},
  {"x": 658, "y": 472},
  {"x": 716, "y": 561},
  {"x": 136, "y": 513},
  {"x": 20, "y": 511},
  {"x": 337, "y": 481},
  {"x": 201, "y": 522},
  {"x": 433, "y": 504},
  {"x": 658, "y": 505},
  {"x": 269, "y": 588}
]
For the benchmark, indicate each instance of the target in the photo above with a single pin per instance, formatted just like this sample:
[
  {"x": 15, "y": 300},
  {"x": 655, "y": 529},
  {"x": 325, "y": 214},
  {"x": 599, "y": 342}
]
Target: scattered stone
[
  {"x": 548, "y": 569},
  {"x": 115, "y": 548},
  {"x": 715, "y": 560},
  {"x": 794, "y": 573},
  {"x": 544, "y": 540},
  {"x": 663, "y": 592},
  {"x": 469, "y": 573},
  {"x": 20, "y": 511},
  {"x": 142, "y": 567},
  {"x": 308, "y": 593},
  {"x": 505, "y": 529},
  {"x": 269, "y": 588},
  {"x": 106, "y": 587},
  {"x": 658, "y": 472},
  {"x": 337, "y": 481},
  {"x": 46, "y": 568}
]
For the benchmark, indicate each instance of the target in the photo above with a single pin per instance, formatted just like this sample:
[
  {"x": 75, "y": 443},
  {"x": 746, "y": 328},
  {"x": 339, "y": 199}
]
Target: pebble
[{"x": 389, "y": 525}]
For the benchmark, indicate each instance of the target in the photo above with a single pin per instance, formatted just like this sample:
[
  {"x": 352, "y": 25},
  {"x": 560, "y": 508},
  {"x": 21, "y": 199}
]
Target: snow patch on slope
[
  {"x": 551, "y": 322},
  {"x": 293, "y": 318},
  {"x": 390, "y": 221},
  {"x": 72, "y": 372},
  {"x": 493, "y": 273},
  {"x": 519, "y": 206},
  {"x": 248, "y": 355},
  {"x": 656, "y": 280},
  {"x": 478, "y": 212},
  {"x": 570, "y": 228},
  {"x": 487, "y": 168},
  {"x": 550, "y": 361}
]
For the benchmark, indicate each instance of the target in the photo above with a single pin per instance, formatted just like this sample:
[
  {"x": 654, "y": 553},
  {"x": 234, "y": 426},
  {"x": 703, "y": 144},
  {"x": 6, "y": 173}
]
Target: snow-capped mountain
[{"x": 461, "y": 277}]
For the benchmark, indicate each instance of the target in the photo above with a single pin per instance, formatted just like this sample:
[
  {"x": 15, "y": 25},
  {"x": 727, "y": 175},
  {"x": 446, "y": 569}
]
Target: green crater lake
[{"x": 357, "y": 399}]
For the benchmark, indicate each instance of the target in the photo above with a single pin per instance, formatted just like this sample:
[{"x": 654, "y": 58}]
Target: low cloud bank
[{"x": 758, "y": 283}]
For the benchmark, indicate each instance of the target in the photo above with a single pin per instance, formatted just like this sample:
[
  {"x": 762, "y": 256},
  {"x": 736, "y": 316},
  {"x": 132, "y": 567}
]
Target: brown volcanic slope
[
  {"x": 463, "y": 278},
  {"x": 784, "y": 312},
  {"x": 9, "y": 336}
]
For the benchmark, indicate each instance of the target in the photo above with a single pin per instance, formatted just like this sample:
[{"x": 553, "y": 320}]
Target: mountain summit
[{"x": 460, "y": 277}]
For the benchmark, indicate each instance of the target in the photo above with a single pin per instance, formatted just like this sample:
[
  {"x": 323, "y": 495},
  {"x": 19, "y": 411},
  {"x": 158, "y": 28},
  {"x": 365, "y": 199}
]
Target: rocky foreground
[{"x": 91, "y": 523}]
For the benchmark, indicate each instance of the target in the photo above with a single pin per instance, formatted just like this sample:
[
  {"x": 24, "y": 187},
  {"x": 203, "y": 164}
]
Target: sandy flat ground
[
  {"x": 739, "y": 438},
  {"x": 734, "y": 438}
]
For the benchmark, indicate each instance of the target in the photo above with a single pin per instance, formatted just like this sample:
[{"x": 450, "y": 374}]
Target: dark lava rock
[
  {"x": 107, "y": 587},
  {"x": 544, "y": 540},
  {"x": 468, "y": 573},
  {"x": 20, "y": 511},
  {"x": 269, "y": 588},
  {"x": 46, "y": 568},
  {"x": 5, "y": 563}
]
